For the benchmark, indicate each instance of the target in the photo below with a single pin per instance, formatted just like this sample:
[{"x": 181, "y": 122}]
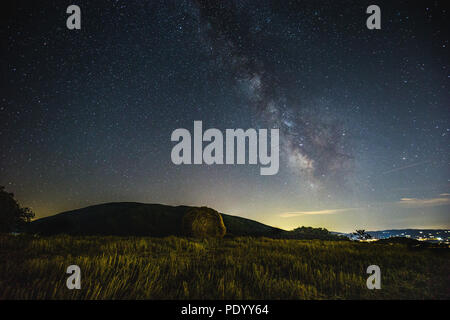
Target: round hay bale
[{"x": 203, "y": 223}]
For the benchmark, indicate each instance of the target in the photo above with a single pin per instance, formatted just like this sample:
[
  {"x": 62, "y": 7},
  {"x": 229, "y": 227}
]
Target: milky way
[{"x": 312, "y": 147}]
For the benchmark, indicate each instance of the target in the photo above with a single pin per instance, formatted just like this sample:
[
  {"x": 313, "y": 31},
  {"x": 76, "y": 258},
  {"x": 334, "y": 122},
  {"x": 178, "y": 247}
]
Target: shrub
[{"x": 203, "y": 223}]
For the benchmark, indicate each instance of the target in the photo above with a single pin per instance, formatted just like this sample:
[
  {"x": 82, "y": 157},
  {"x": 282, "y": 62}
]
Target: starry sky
[{"x": 86, "y": 115}]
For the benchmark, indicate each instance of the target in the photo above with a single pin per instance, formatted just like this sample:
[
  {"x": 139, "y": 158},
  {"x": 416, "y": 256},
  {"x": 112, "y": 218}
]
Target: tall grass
[{"x": 238, "y": 268}]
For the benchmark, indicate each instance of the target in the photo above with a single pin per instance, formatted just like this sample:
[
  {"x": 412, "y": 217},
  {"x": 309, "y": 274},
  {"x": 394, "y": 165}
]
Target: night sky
[{"x": 86, "y": 115}]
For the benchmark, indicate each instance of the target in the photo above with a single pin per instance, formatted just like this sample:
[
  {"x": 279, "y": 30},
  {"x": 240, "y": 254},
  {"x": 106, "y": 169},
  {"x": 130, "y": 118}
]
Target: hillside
[
  {"x": 153, "y": 220},
  {"x": 136, "y": 219}
]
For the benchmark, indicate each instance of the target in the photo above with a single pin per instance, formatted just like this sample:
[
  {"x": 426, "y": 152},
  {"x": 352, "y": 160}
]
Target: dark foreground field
[{"x": 239, "y": 268}]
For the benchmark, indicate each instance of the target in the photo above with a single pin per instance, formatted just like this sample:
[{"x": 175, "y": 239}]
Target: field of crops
[{"x": 236, "y": 268}]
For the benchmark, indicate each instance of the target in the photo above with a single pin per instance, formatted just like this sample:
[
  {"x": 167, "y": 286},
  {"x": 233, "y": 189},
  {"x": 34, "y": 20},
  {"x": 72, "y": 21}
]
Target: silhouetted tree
[
  {"x": 12, "y": 215},
  {"x": 362, "y": 235}
]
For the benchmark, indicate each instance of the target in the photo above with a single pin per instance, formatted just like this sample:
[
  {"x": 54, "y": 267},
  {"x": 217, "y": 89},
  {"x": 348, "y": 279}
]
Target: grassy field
[{"x": 237, "y": 268}]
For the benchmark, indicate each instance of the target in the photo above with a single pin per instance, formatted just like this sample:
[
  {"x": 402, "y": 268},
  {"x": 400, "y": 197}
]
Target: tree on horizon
[
  {"x": 12, "y": 215},
  {"x": 362, "y": 234}
]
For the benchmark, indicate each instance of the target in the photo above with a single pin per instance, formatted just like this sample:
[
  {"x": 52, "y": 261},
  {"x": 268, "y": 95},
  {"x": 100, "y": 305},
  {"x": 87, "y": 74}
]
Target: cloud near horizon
[
  {"x": 441, "y": 200},
  {"x": 425, "y": 202},
  {"x": 318, "y": 212}
]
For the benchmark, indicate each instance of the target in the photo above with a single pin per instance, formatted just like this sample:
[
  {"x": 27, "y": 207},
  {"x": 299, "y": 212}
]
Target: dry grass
[{"x": 239, "y": 268}]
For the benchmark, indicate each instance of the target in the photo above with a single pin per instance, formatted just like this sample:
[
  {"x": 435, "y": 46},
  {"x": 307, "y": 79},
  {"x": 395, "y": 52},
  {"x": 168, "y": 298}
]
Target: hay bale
[{"x": 203, "y": 223}]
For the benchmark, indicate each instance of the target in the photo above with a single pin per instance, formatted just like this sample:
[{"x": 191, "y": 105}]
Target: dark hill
[{"x": 137, "y": 219}]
